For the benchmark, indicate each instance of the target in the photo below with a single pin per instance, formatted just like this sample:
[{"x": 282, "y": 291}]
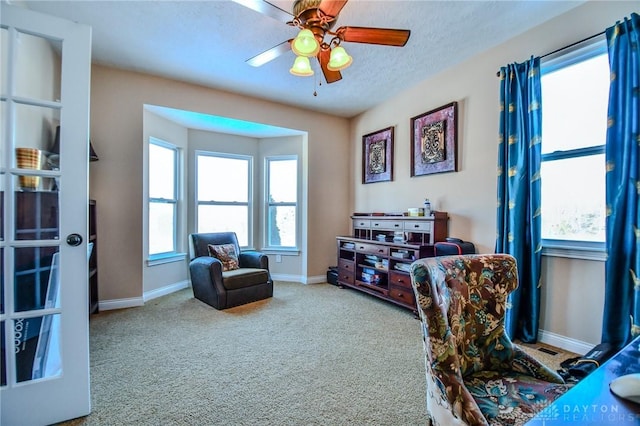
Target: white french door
[{"x": 45, "y": 67}]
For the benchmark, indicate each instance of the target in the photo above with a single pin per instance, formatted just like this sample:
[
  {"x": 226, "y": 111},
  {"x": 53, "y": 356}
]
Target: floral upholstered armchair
[{"x": 475, "y": 374}]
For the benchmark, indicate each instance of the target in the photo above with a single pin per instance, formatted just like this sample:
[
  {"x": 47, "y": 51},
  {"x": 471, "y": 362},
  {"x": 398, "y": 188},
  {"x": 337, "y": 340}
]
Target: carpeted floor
[{"x": 311, "y": 355}]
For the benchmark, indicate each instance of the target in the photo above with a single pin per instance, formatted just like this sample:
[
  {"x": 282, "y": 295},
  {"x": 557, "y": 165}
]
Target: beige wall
[
  {"x": 469, "y": 194},
  {"x": 117, "y": 99},
  {"x": 158, "y": 276}
]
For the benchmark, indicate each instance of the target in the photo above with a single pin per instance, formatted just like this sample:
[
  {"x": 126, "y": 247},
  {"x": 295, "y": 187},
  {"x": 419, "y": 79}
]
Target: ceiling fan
[{"x": 316, "y": 18}]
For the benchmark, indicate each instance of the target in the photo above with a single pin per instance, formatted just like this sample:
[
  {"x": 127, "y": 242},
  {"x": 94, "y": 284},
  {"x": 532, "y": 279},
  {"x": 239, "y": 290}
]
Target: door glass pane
[
  {"x": 37, "y": 351},
  {"x": 4, "y": 60},
  {"x": 1, "y": 280},
  {"x": 38, "y": 67},
  {"x": 36, "y": 279},
  {"x": 3, "y": 357},
  {"x": 35, "y": 136},
  {"x": 2, "y": 207},
  {"x": 37, "y": 215},
  {"x": 3, "y": 164},
  {"x": 32, "y": 182},
  {"x": 225, "y": 218},
  {"x": 3, "y": 133},
  {"x": 161, "y": 220},
  {"x": 282, "y": 226}
]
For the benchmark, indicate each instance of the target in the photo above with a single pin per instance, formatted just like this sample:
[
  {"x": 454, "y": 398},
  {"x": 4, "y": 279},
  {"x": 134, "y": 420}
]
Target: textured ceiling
[{"x": 207, "y": 43}]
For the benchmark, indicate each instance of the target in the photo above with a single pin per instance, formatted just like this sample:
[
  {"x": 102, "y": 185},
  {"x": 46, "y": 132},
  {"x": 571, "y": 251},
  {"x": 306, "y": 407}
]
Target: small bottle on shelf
[{"x": 427, "y": 207}]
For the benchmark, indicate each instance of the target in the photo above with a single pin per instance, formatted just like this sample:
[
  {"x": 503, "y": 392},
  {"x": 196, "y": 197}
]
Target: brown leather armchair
[{"x": 247, "y": 281}]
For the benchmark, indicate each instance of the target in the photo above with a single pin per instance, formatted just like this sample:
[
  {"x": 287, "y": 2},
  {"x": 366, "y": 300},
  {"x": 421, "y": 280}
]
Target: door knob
[{"x": 74, "y": 239}]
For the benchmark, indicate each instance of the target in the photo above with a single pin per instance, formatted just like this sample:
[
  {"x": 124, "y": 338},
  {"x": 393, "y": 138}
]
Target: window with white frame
[
  {"x": 281, "y": 213},
  {"x": 163, "y": 198},
  {"x": 223, "y": 194},
  {"x": 575, "y": 91}
]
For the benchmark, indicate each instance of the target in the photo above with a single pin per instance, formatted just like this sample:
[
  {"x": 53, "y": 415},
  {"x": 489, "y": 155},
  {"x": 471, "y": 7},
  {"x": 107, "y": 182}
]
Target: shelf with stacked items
[
  {"x": 372, "y": 271},
  {"x": 419, "y": 230},
  {"x": 377, "y": 257}
]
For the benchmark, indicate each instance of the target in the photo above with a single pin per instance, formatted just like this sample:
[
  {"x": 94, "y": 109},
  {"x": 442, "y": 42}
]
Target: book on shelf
[
  {"x": 404, "y": 267},
  {"x": 400, "y": 255},
  {"x": 370, "y": 276}
]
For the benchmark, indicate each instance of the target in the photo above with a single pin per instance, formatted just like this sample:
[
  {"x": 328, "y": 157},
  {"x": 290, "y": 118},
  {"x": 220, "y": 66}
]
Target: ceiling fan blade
[
  {"x": 267, "y": 8},
  {"x": 269, "y": 55},
  {"x": 385, "y": 36},
  {"x": 330, "y": 76},
  {"x": 332, "y": 7}
]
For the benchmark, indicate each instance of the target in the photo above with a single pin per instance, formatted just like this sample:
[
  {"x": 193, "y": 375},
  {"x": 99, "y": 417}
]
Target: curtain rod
[{"x": 566, "y": 47}]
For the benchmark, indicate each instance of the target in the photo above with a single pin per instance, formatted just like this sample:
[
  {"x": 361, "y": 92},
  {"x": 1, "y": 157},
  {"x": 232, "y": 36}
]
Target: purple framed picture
[
  {"x": 434, "y": 140},
  {"x": 377, "y": 156}
]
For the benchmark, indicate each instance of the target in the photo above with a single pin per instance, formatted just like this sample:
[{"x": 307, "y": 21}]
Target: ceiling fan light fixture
[
  {"x": 305, "y": 44},
  {"x": 339, "y": 59},
  {"x": 301, "y": 67}
]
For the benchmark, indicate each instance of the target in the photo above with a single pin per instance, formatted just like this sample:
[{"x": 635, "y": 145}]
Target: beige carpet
[{"x": 311, "y": 355}]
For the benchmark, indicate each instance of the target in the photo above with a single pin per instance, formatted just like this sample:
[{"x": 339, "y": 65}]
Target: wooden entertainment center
[{"x": 377, "y": 257}]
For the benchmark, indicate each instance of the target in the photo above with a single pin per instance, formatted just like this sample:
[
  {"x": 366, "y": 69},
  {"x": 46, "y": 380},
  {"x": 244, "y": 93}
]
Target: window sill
[
  {"x": 571, "y": 251},
  {"x": 281, "y": 251},
  {"x": 166, "y": 258}
]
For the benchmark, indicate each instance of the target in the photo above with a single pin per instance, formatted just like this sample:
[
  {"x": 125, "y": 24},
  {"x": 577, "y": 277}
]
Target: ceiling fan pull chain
[{"x": 315, "y": 83}]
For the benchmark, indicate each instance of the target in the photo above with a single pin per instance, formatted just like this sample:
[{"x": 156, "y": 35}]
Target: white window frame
[
  {"x": 173, "y": 255},
  {"x": 575, "y": 249},
  {"x": 249, "y": 203},
  {"x": 268, "y": 204}
]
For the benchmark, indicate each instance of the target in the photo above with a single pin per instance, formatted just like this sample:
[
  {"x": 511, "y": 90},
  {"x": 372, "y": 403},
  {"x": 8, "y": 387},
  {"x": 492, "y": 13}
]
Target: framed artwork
[
  {"x": 434, "y": 140},
  {"x": 377, "y": 156}
]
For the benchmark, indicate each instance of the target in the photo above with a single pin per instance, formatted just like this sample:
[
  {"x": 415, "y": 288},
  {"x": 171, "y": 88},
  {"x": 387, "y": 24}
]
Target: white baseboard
[
  {"x": 287, "y": 277},
  {"x": 163, "y": 291},
  {"x": 566, "y": 343},
  {"x": 107, "y": 305},
  {"x": 318, "y": 279},
  {"x": 299, "y": 278},
  {"x": 132, "y": 302}
]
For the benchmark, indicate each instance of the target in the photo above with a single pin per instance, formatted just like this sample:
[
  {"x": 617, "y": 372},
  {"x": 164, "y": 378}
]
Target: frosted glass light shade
[
  {"x": 305, "y": 44},
  {"x": 339, "y": 59},
  {"x": 301, "y": 67}
]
